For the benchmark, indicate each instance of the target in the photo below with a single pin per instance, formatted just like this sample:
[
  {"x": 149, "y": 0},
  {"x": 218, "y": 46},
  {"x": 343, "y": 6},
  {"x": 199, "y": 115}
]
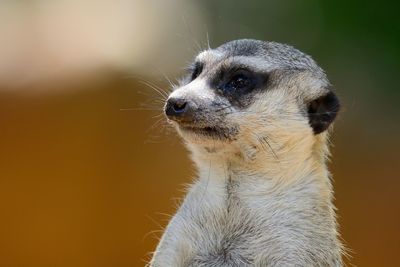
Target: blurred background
[{"x": 89, "y": 173}]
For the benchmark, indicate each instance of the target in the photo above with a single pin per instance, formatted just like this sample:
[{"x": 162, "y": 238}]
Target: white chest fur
[{"x": 231, "y": 218}]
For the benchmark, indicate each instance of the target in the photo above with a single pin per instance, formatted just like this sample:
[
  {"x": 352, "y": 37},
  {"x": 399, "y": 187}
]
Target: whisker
[
  {"x": 173, "y": 85},
  {"x": 208, "y": 40},
  {"x": 159, "y": 115},
  {"x": 138, "y": 109},
  {"x": 158, "y": 122},
  {"x": 161, "y": 92}
]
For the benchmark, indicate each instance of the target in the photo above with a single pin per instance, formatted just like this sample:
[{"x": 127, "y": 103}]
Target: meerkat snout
[{"x": 179, "y": 109}]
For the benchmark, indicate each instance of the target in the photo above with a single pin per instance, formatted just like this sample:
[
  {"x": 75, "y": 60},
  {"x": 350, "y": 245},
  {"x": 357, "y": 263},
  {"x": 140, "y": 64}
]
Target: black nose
[{"x": 179, "y": 109}]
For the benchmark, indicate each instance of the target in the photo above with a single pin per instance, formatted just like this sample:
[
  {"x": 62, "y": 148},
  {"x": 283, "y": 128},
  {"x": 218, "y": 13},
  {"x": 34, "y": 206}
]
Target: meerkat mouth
[{"x": 210, "y": 131}]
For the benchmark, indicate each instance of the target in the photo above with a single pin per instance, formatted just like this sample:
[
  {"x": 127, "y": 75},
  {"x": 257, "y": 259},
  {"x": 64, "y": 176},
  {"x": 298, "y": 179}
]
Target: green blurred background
[{"x": 89, "y": 173}]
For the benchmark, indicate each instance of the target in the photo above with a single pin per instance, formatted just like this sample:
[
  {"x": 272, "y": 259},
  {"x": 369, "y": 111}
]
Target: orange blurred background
[{"x": 89, "y": 171}]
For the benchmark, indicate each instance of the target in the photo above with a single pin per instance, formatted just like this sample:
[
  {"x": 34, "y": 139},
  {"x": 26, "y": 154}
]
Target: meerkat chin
[{"x": 255, "y": 116}]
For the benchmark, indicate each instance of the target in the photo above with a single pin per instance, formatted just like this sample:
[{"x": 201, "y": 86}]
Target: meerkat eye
[
  {"x": 197, "y": 69},
  {"x": 239, "y": 81}
]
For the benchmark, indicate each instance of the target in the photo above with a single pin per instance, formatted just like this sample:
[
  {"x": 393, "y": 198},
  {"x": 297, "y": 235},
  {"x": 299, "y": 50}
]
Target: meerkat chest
[
  {"x": 239, "y": 223},
  {"x": 222, "y": 225}
]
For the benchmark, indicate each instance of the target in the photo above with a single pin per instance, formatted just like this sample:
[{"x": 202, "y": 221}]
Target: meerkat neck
[
  {"x": 304, "y": 163},
  {"x": 311, "y": 174}
]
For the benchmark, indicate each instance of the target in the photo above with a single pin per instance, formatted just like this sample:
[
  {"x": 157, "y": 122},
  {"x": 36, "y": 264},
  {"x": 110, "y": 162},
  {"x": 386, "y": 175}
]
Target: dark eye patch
[
  {"x": 239, "y": 83},
  {"x": 195, "y": 70}
]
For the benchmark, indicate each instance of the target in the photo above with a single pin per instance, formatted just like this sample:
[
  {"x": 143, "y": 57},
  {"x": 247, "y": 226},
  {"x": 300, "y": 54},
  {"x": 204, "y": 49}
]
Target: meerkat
[{"x": 256, "y": 117}]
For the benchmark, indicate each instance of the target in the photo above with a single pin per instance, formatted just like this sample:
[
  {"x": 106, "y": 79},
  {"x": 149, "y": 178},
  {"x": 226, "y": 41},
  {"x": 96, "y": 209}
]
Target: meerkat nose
[{"x": 179, "y": 109}]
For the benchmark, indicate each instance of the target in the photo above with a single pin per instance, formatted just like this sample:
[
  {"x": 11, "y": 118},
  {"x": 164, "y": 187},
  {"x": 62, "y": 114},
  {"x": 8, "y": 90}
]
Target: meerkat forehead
[{"x": 260, "y": 55}]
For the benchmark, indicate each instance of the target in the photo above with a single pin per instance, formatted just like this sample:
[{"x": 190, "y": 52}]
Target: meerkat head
[{"x": 248, "y": 95}]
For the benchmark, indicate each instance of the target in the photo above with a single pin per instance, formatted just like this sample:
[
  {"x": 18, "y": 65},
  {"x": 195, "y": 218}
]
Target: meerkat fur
[{"x": 256, "y": 118}]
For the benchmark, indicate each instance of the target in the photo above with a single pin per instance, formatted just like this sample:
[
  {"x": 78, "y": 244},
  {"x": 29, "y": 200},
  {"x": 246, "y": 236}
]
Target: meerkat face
[{"x": 249, "y": 92}]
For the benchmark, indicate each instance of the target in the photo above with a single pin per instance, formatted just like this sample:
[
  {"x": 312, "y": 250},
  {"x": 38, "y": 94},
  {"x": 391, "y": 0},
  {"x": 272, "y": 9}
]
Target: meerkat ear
[{"x": 322, "y": 112}]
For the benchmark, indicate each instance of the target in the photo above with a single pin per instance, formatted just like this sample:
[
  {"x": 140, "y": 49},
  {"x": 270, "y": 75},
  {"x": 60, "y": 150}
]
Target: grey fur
[{"x": 264, "y": 197}]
